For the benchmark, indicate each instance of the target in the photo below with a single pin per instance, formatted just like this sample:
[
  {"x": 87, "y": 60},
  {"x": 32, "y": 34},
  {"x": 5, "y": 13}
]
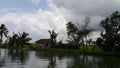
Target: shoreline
[{"x": 67, "y": 51}]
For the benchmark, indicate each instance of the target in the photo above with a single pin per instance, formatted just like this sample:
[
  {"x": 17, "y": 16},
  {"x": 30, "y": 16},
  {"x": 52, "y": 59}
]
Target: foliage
[
  {"x": 18, "y": 39},
  {"x": 3, "y": 31},
  {"x": 110, "y": 37},
  {"x": 76, "y": 34},
  {"x": 53, "y": 36}
]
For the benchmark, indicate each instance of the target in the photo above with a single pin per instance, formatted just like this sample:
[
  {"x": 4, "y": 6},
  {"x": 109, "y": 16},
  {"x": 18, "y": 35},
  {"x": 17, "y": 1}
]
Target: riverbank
[
  {"x": 90, "y": 51},
  {"x": 68, "y": 51}
]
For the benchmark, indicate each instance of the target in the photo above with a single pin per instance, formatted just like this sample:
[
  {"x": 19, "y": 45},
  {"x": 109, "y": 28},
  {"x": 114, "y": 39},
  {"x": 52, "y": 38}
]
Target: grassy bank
[
  {"x": 69, "y": 51},
  {"x": 89, "y": 51}
]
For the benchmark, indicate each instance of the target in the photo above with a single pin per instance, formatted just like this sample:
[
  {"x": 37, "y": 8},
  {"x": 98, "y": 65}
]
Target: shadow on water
[
  {"x": 2, "y": 62},
  {"x": 79, "y": 61},
  {"x": 42, "y": 59},
  {"x": 10, "y": 56},
  {"x": 16, "y": 55}
]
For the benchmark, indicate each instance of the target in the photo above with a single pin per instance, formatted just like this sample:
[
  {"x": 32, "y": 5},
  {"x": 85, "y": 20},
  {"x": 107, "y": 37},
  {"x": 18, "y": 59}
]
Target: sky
[{"x": 36, "y": 17}]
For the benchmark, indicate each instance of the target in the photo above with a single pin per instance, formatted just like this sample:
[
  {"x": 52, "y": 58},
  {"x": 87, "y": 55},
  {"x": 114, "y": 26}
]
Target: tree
[
  {"x": 73, "y": 35},
  {"x": 18, "y": 39},
  {"x": 111, "y": 33},
  {"x": 3, "y": 31},
  {"x": 13, "y": 40},
  {"x": 76, "y": 34},
  {"x": 99, "y": 42},
  {"x": 23, "y": 38},
  {"x": 86, "y": 31},
  {"x": 53, "y": 36}
]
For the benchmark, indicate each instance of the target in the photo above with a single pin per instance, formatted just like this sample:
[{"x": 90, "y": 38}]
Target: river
[{"x": 41, "y": 59}]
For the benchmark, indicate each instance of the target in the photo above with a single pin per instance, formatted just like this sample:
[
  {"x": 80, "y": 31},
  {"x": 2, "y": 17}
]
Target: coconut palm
[
  {"x": 53, "y": 36},
  {"x": 23, "y": 38},
  {"x": 19, "y": 39},
  {"x": 3, "y": 32}
]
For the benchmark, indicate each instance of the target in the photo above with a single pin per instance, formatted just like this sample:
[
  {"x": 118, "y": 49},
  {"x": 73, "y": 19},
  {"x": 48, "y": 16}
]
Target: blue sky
[
  {"x": 23, "y": 5},
  {"x": 24, "y": 15}
]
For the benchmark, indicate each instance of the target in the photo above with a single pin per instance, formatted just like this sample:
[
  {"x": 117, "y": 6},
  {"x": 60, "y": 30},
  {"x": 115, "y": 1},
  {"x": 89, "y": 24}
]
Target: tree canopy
[
  {"x": 76, "y": 34},
  {"x": 53, "y": 36},
  {"x": 3, "y": 32},
  {"x": 110, "y": 36}
]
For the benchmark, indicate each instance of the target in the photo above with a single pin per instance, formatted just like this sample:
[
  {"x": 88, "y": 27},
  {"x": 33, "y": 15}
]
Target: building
[{"x": 44, "y": 43}]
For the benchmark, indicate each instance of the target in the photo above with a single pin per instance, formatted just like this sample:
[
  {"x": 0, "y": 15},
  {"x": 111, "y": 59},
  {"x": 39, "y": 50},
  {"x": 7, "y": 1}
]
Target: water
[{"x": 40, "y": 59}]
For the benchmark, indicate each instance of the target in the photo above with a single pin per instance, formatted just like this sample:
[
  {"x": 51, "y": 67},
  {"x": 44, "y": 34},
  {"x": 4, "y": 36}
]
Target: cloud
[
  {"x": 77, "y": 10},
  {"x": 88, "y": 7},
  {"x": 36, "y": 1},
  {"x": 36, "y": 24},
  {"x": 8, "y": 10}
]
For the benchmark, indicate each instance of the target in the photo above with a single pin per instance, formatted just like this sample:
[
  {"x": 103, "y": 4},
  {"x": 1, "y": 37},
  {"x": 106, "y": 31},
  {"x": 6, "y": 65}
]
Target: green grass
[{"x": 90, "y": 50}]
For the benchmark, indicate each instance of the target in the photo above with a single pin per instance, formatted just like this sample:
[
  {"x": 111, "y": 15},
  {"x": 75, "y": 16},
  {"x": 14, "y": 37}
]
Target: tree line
[
  {"x": 109, "y": 39},
  {"x": 18, "y": 40}
]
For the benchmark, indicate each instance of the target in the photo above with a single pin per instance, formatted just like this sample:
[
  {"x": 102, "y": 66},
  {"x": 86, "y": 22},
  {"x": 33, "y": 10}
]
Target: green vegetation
[
  {"x": 110, "y": 36},
  {"x": 77, "y": 42},
  {"x": 53, "y": 36},
  {"x": 3, "y": 31},
  {"x": 77, "y": 34},
  {"x": 18, "y": 39}
]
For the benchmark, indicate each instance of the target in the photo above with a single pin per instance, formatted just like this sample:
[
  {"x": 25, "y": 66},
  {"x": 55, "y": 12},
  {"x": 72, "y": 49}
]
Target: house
[{"x": 44, "y": 43}]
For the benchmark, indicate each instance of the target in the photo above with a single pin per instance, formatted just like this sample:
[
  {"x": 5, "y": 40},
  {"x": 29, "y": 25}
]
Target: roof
[{"x": 44, "y": 41}]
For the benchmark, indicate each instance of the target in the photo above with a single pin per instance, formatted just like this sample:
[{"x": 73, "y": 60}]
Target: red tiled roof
[{"x": 44, "y": 41}]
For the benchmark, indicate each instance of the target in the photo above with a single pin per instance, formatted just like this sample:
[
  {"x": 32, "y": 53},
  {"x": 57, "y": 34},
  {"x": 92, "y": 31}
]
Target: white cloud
[
  {"x": 88, "y": 7},
  {"x": 36, "y": 24},
  {"x": 77, "y": 10},
  {"x": 36, "y": 1}
]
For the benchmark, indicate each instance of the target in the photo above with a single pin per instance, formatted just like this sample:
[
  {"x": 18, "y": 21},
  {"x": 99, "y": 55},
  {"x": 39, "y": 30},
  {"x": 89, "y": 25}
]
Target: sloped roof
[{"x": 44, "y": 41}]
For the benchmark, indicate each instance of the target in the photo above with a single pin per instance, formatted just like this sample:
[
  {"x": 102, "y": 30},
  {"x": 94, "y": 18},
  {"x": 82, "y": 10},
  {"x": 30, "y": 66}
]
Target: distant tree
[
  {"x": 53, "y": 36},
  {"x": 99, "y": 42},
  {"x": 111, "y": 33},
  {"x": 86, "y": 31},
  {"x": 23, "y": 38},
  {"x": 74, "y": 39},
  {"x": 3, "y": 31},
  {"x": 14, "y": 39},
  {"x": 18, "y": 39},
  {"x": 76, "y": 34}
]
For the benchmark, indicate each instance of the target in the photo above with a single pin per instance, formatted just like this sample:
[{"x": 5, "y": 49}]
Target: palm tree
[
  {"x": 53, "y": 36},
  {"x": 19, "y": 39},
  {"x": 12, "y": 40},
  {"x": 23, "y": 38},
  {"x": 3, "y": 31}
]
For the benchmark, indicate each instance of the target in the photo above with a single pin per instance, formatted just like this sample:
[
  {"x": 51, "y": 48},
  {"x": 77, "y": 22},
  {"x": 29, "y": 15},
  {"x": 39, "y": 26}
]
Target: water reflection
[
  {"x": 79, "y": 61},
  {"x": 42, "y": 59},
  {"x": 10, "y": 58},
  {"x": 50, "y": 57},
  {"x": 16, "y": 54},
  {"x": 2, "y": 61}
]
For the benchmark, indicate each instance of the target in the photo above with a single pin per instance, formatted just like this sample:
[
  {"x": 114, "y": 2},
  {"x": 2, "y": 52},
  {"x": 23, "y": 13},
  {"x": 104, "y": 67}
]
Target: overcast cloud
[{"x": 36, "y": 22}]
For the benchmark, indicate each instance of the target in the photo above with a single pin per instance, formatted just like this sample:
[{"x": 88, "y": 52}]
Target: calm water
[{"x": 39, "y": 59}]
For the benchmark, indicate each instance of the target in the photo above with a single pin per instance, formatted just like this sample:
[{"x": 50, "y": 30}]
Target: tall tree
[
  {"x": 18, "y": 39},
  {"x": 86, "y": 31},
  {"x": 53, "y": 36},
  {"x": 73, "y": 34},
  {"x": 111, "y": 33},
  {"x": 23, "y": 38},
  {"x": 76, "y": 34},
  {"x": 3, "y": 32}
]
